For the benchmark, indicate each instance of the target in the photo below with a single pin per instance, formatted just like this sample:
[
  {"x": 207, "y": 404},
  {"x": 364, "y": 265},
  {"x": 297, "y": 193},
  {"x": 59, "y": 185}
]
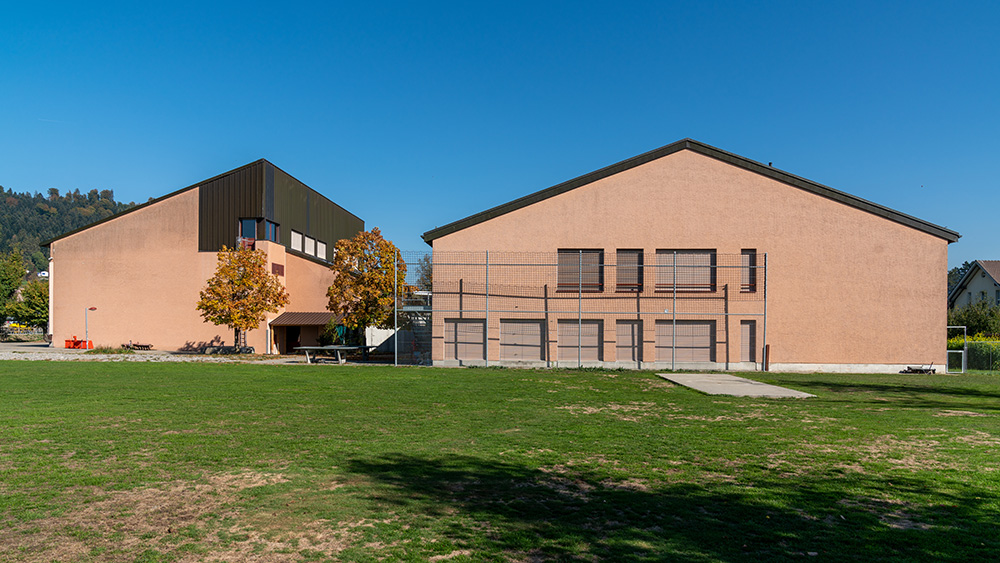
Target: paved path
[{"x": 725, "y": 384}]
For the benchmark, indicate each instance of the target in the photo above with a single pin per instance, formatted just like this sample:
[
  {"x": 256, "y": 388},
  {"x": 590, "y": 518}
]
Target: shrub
[
  {"x": 979, "y": 317},
  {"x": 983, "y": 355},
  {"x": 109, "y": 350}
]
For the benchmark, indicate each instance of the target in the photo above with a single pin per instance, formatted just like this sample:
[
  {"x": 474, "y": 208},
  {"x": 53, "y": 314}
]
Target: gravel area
[{"x": 34, "y": 351}]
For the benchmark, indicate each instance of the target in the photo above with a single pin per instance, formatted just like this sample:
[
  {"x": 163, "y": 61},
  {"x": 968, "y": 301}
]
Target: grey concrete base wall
[
  {"x": 849, "y": 368},
  {"x": 701, "y": 366}
]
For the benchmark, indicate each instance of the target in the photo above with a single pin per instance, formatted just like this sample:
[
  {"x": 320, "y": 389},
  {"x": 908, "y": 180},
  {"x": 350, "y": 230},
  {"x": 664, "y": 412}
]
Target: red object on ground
[{"x": 80, "y": 344}]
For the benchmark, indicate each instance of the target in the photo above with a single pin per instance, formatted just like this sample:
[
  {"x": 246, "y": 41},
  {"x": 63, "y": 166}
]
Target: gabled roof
[
  {"x": 710, "y": 151},
  {"x": 180, "y": 191},
  {"x": 992, "y": 269},
  {"x": 147, "y": 204}
]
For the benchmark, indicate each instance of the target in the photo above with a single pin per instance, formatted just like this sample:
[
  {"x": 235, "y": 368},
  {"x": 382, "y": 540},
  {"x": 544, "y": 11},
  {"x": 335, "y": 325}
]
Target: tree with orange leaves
[
  {"x": 241, "y": 292},
  {"x": 363, "y": 289}
]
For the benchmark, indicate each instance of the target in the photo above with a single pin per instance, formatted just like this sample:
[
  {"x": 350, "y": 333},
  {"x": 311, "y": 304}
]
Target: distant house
[
  {"x": 143, "y": 269},
  {"x": 691, "y": 257},
  {"x": 981, "y": 282}
]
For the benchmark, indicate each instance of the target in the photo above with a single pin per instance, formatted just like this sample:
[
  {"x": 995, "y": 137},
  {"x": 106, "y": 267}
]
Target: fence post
[
  {"x": 673, "y": 330},
  {"x": 395, "y": 309},
  {"x": 765, "y": 365},
  {"x": 486, "y": 334},
  {"x": 579, "y": 312}
]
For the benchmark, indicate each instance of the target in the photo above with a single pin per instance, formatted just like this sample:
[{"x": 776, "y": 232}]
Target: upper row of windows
[
  {"x": 272, "y": 232},
  {"x": 308, "y": 245},
  {"x": 695, "y": 270},
  {"x": 248, "y": 229}
]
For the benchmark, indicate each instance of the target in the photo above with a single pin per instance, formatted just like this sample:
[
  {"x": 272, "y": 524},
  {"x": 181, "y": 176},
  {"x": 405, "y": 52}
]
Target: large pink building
[
  {"x": 142, "y": 269},
  {"x": 691, "y": 257}
]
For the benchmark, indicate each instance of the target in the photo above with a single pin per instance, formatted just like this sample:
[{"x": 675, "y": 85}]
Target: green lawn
[{"x": 155, "y": 462}]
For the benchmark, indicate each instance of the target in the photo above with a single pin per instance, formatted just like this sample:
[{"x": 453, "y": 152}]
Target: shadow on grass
[
  {"x": 908, "y": 395},
  {"x": 534, "y": 514}
]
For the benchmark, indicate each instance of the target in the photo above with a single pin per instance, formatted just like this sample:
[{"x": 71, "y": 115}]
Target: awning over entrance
[{"x": 304, "y": 319}]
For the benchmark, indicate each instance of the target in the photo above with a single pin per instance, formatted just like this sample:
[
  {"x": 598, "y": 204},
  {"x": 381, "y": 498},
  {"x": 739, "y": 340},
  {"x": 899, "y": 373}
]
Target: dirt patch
[
  {"x": 640, "y": 485},
  {"x": 631, "y": 412},
  {"x": 915, "y": 455},
  {"x": 979, "y": 438},
  {"x": 657, "y": 384},
  {"x": 959, "y": 413},
  {"x": 892, "y": 513},
  {"x": 733, "y": 417},
  {"x": 183, "y": 518}
]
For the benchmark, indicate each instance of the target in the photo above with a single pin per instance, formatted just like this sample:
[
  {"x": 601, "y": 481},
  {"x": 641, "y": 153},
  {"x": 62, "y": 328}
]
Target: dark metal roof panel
[
  {"x": 707, "y": 150},
  {"x": 304, "y": 319}
]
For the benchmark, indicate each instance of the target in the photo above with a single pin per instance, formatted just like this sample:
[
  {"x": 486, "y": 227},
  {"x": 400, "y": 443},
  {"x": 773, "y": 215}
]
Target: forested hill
[{"x": 28, "y": 219}]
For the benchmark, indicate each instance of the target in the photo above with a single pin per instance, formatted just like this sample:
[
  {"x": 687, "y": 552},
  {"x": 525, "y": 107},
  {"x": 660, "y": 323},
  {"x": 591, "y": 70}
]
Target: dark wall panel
[
  {"x": 262, "y": 190},
  {"x": 299, "y": 207}
]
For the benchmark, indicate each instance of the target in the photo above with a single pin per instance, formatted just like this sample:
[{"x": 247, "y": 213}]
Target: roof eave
[{"x": 46, "y": 243}]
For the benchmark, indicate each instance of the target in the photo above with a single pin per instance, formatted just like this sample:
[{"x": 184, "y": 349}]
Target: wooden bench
[{"x": 137, "y": 346}]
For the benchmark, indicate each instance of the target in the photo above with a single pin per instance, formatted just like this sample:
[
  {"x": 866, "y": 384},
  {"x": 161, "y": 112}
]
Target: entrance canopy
[{"x": 304, "y": 319}]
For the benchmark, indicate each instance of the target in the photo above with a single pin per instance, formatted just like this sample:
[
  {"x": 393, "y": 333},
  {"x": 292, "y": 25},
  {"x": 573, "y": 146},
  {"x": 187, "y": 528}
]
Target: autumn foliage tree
[
  {"x": 33, "y": 307},
  {"x": 364, "y": 286},
  {"x": 241, "y": 292}
]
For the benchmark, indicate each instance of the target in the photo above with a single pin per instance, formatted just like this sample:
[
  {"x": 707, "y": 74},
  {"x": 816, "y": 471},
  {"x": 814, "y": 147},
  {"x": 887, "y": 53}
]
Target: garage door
[
  {"x": 580, "y": 343},
  {"x": 695, "y": 341},
  {"x": 464, "y": 339},
  {"x": 628, "y": 347},
  {"x": 522, "y": 340}
]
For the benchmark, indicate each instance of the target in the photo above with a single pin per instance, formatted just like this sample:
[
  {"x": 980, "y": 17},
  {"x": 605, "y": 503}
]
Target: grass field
[{"x": 151, "y": 462}]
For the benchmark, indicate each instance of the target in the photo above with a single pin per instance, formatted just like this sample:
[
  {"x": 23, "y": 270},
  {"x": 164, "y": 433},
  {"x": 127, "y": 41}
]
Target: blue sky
[{"x": 413, "y": 115}]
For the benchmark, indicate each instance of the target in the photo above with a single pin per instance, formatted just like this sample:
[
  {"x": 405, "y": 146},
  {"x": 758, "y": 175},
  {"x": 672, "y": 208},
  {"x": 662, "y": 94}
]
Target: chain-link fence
[
  {"x": 971, "y": 354},
  {"x": 669, "y": 309}
]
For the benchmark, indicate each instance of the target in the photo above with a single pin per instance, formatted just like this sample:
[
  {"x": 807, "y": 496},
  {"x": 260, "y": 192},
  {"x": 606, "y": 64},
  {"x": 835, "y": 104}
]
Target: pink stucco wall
[
  {"x": 845, "y": 287},
  {"x": 143, "y": 272}
]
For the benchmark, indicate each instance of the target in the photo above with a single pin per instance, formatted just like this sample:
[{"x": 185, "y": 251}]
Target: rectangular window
[
  {"x": 297, "y": 241},
  {"x": 271, "y": 231},
  {"x": 629, "y": 271},
  {"x": 321, "y": 250},
  {"x": 248, "y": 228},
  {"x": 748, "y": 270},
  {"x": 580, "y": 270},
  {"x": 310, "y": 246},
  {"x": 694, "y": 269}
]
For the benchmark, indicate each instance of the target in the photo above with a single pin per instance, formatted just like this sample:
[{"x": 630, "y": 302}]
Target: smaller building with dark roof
[{"x": 142, "y": 270}]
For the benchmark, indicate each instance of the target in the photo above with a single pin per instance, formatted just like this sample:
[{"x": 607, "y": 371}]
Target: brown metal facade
[
  {"x": 224, "y": 200},
  {"x": 261, "y": 190}
]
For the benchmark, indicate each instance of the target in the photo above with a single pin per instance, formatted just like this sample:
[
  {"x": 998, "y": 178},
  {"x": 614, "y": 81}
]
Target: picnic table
[{"x": 336, "y": 349}]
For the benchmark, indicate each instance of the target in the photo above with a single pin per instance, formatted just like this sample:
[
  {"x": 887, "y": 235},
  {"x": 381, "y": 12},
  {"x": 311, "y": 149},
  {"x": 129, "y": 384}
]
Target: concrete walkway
[{"x": 725, "y": 384}]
